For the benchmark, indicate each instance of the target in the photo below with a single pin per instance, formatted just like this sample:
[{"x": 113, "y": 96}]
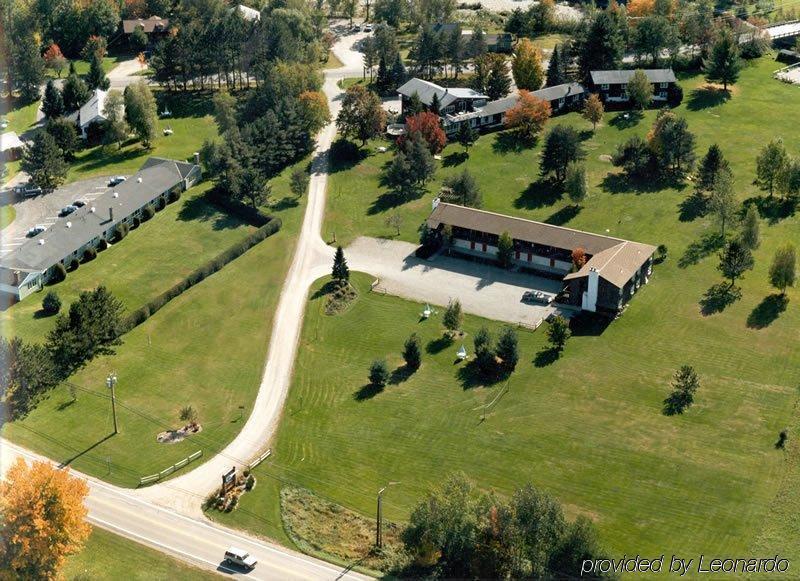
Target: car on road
[
  {"x": 79, "y": 203},
  {"x": 38, "y": 229},
  {"x": 30, "y": 191},
  {"x": 240, "y": 557},
  {"x": 67, "y": 210},
  {"x": 367, "y": 28},
  {"x": 537, "y": 297},
  {"x": 116, "y": 180},
  {"x": 356, "y": 28}
]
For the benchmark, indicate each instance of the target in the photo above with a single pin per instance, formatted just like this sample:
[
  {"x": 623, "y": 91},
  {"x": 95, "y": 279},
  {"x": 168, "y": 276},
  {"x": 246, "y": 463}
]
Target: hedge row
[
  {"x": 252, "y": 216},
  {"x": 144, "y": 312}
]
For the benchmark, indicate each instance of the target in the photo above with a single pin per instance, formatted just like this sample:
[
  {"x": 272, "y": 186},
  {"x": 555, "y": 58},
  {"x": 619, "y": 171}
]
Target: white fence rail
[
  {"x": 260, "y": 459},
  {"x": 144, "y": 480}
]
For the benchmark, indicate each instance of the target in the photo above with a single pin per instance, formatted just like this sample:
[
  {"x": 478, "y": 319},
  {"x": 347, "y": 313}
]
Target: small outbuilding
[{"x": 10, "y": 145}]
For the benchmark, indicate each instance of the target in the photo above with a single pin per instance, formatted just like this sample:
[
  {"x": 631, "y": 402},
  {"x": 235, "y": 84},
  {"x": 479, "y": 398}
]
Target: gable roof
[
  {"x": 559, "y": 91},
  {"x": 621, "y": 77},
  {"x": 615, "y": 259},
  {"x": 248, "y": 13},
  {"x": 70, "y": 233},
  {"x": 425, "y": 90},
  {"x": 152, "y": 24},
  {"x": 9, "y": 140},
  {"x": 91, "y": 109}
]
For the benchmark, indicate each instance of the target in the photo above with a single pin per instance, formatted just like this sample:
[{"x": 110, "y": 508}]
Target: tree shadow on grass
[
  {"x": 470, "y": 377},
  {"x": 455, "y": 158},
  {"x": 674, "y": 405},
  {"x": 767, "y": 311},
  {"x": 510, "y": 142},
  {"x": 98, "y": 158},
  {"x": 564, "y": 215},
  {"x": 697, "y": 251},
  {"x": 186, "y": 103},
  {"x": 392, "y": 199},
  {"x": 324, "y": 290},
  {"x": 367, "y": 391},
  {"x": 773, "y": 209},
  {"x": 42, "y": 314},
  {"x": 541, "y": 193},
  {"x": 285, "y": 203},
  {"x": 435, "y": 346},
  {"x": 693, "y": 207},
  {"x": 401, "y": 374},
  {"x": 547, "y": 356},
  {"x": 718, "y": 298},
  {"x": 626, "y": 120},
  {"x": 619, "y": 183},
  {"x": 706, "y": 97},
  {"x": 200, "y": 209}
]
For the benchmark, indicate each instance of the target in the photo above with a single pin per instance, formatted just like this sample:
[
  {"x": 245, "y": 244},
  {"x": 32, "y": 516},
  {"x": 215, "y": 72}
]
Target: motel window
[
  {"x": 663, "y": 94},
  {"x": 604, "y": 86},
  {"x": 561, "y": 102},
  {"x": 664, "y": 85}
]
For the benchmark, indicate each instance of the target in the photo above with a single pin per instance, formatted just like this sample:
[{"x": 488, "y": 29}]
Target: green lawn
[
  {"x": 20, "y": 116},
  {"x": 587, "y": 427},
  {"x": 7, "y": 215},
  {"x": 82, "y": 67},
  {"x": 109, "y": 556},
  {"x": 191, "y": 122},
  {"x": 155, "y": 256},
  {"x": 205, "y": 348}
]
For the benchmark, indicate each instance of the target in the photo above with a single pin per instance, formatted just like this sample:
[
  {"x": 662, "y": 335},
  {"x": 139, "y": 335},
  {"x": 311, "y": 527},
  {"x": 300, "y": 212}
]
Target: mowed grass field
[
  {"x": 205, "y": 348},
  {"x": 107, "y": 556},
  {"x": 588, "y": 427},
  {"x": 151, "y": 259}
]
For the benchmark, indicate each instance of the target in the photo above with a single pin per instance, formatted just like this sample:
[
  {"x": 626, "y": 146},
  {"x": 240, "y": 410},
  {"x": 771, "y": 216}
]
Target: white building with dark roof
[
  {"x": 30, "y": 266},
  {"x": 90, "y": 112}
]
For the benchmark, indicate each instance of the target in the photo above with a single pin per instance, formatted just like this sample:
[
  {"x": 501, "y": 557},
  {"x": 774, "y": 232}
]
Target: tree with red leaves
[
  {"x": 529, "y": 115},
  {"x": 428, "y": 126},
  {"x": 54, "y": 59},
  {"x": 579, "y": 257}
]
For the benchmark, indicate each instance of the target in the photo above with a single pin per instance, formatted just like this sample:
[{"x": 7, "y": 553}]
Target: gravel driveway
[{"x": 483, "y": 290}]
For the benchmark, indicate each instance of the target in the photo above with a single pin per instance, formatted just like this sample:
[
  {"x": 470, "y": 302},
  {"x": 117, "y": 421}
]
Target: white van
[{"x": 240, "y": 557}]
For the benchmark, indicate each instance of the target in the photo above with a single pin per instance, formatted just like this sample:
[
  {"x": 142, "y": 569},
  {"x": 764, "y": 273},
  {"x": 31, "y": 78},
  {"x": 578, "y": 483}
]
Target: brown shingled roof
[
  {"x": 614, "y": 258},
  {"x": 154, "y": 23}
]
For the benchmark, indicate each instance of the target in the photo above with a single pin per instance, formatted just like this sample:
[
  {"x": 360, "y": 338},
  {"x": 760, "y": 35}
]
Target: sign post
[{"x": 228, "y": 479}]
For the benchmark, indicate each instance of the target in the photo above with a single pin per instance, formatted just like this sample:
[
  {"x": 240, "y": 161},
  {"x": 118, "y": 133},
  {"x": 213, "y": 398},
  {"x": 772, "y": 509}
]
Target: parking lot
[
  {"x": 43, "y": 209},
  {"x": 483, "y": 289}
]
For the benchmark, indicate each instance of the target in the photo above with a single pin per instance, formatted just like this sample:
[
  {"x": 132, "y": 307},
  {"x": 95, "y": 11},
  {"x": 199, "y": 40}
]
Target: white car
[
  {"x": 240, "y": 557},
  {"x": 36, "y": 230},
  {"x": 537, "y": 297},
  {"x": 367, "y": 28},
  {"x": 116, "y": 180}
]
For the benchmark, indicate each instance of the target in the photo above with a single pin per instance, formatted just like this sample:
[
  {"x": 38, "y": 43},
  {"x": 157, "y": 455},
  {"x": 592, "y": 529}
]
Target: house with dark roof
[
  {"x": 90, "y": 112},
  {"x": 613, "y": 271},
  {"x": 31, "y": 265},
  {"x": 152, "y": 25},
  {"x": 451, "y": 100},
  {"x": 612, "y": 86}
]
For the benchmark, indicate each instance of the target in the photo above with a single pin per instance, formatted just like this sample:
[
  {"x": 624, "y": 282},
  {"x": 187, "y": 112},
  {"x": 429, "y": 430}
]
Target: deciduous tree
[
  {"x": 783, "y": 270},
  {"x": 593, "y": 110},
  {"x": 575, "y": 183},
  {"x": 141, "y": 112},
  {"x": 528, "y": 116},
  {"x": 361, "y": 115},
  {"x": 769, "y": 163},
  {"x": 464, "y": 190},
  {"x": 54, "y": 59},
  {"x": 298, "y": 181},
  {"x": 428, "y": 126},
  {"x": 66, "y": 136},
  {"x": 526, "y": 66},
  {"x": 467, "y": 136},
  {"x": 74, "y": 93},
  {"x": 115, "y": 129},
  {"x": 505, "y": 249},
  {"x": 640, "y": 90},
  {"x": 53, "y": 102},
  {"x": 558, "y": 332},
  {"x": 722, "y": 201},
  {"x": 685, "y": 383},
  {"x": 453, "y": 316},
  {"x": 508, "y": 348},
  {"x": 751, "y": 236}
]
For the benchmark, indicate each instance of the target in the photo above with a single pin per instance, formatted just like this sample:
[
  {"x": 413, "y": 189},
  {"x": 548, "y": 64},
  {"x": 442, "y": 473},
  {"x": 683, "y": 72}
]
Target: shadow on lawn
[
  {"x": 401, "y": 374},
  {"x": 563, "y": 216},
  {"x": 200, "y": 209},
  {"x": 324, "y": 290},
  {"x": 693, "y": 207},
  {"x": 392, "y": 199},
  {"x": 541, "y": 193},
  {"x": 587, "y": 324},
  {"x": 455, "y": 158},
  {"x": 344, "y": 155},
  {"x": 767, "y": 311},
  {"x": 435, "y": 346},
  {"x": 100, "y": 157},
  {"x": 706, "y": 97},
  {"x": 547, "y": 356},
  {"x": 366, "y": 392},
  {"x": 626, "y": 120},
  {"x": 619, "y": 183},
  {"x": 772, "y": 208},
  {"x": 510, "y": 142},
  {"x": 718, "y": 298},
  {"x": 186, "y": 104},
  {"x": 697, "y": 251},
  {"x": 471, "y": 377}
]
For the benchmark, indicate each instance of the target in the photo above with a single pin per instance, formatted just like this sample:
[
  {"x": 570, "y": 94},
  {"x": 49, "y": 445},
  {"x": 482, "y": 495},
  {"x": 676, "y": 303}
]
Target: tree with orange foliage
[
  {"x": 54, "y": 59},
  {"x": 529, "y": 115},
  {"x": 641, "y": 8},
  {"x": 427, "y": 124},
  {"x": 578, "y": 257},
  {"x": 44, "y": 519},
  {"x": 315, "y": 111}
]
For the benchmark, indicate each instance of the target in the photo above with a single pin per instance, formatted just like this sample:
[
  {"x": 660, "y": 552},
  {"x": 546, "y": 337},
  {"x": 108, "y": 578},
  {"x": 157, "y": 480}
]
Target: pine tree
[
  {"x": 75, "y": 92},
  {"x": 435, "y": 104},
  {"x": 379, "y": 373},
  {"x": 44, "y": 161},
  {"x": 751, "y": 236},
  {"x": 453, "y": 316},
  {"x": 398, "y": 73},
  {"x": 556, "y": 74},
  {"x": 508, "y": 348},
  {"x": 340, "y": 272},
  {"x": 52, "y": 103},
  {"x": 710, "y": 167},
  {"x": 484, "y": 353},
  {"x": 735, "y": 260},
  {"x": 96, "y": 79},
  {"x": 498, "y": 84},
  {"x": 467, "y": 135},
  {"x": 724, "y": 63},
  {"x": 382, "y": 80},
  {"x": 684, "y": 385},
  {"x": 412, "y": 353},
  {"x": 575, "y": 183}
]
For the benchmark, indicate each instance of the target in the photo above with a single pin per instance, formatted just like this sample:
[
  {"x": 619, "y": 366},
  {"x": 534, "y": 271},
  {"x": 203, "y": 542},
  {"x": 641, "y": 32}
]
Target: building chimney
[
  {"x": 196, "y": 158},
  {"x": 16, "y": 278},
  {"x": 110, "y": 214}
]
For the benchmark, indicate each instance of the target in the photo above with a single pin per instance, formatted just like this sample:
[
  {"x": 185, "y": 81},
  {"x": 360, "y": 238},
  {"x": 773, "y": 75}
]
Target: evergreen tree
[
  {"x": 44, "y": 161},
  {"x": 684, "y": 385},
  {"x": 508, "y": 348},
  {"x": 464, "y": 190},
  {"x": 484, "y": 352},
  {"x": 398, "y": 72},
  {"x": 52, "y": 103},
  {"x": 340, "y": 272},
  {"x": 412, "y": 353},
  {"x": 65, "y": 135},
  {"x": 558, "y": 332},
  {"x": 724, "y": 63},
  {"x": 467, "y": 135},
  {"x": 556, "y": 73},
  {"x": 74, "y": 92},
  {"x": 575, "y": 183},
  {"x": 476, "y": 46},
  {"x": 751, "y": 236},
  {"x": 435, "y": 105},
  {"x": 498, "y": 83},
  {"x": 454, "y": 51},
  {"x": 783, "y": 270},
  {"x": 710, "y": 167},
  {"x": 383, "y": 80},
  {"x": 27, "y": 70},
  {"x": 379, "y": 373},
  {"x": 96, "y": 79},
  {"x": 562, "y": 146},
  {"x": 735, "y": 260},
  {"x": 601, "y": 44},
  {"x": 420, "y": 158}
]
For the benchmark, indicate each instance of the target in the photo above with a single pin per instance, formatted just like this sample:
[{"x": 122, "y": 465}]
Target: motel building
[{"x": 615, "y": 269}]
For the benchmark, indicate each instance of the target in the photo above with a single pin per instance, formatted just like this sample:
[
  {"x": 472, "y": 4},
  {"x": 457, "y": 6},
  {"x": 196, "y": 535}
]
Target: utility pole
[
  {"x": 379, "y": 523},
  {"x": 111, "y": 382}
]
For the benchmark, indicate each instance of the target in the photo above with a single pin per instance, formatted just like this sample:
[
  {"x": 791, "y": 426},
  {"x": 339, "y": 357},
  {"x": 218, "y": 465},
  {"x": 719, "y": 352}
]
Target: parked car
[
  {"x": 356, "y": 28},
  {"x": 240, "y": 557},
  {"x": 367, "y": 28},
  {"x": 79, "y": 203},
  {"x": 116, "y": 180},
  {"x": 67, "y": 210},
  {"x": 30, "y": 191},
  {"x": 38, "y": 229},
  {"x": 537, "y": 297}
]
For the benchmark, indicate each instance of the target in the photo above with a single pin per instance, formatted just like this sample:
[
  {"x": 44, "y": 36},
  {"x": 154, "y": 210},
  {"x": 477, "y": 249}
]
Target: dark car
[
  {"x": 79, "y": 203},
  {"x": 67, "y": 210}
]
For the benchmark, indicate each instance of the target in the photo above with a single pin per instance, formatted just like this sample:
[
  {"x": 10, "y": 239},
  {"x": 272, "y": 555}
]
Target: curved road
[{"x": 168, "y": 516}]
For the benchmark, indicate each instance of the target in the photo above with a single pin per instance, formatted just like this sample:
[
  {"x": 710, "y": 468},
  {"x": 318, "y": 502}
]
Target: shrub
[
  {"x": 661, "y": 253},
  {"x": 89, "y": 254},
  {"x": 73, "y": 265},
  {"x": 250, "y": 483},
  {"x": 102, "y": 245},
  {"x": 782, "y": 437},
  {"x": 136, "y": 222},
  {"x": 379, "y": 373},
  {"x": 51, "y": 303},
  {"x": 148, "y": 212},
  {"x": 122, "y": 231},
  {"x": 59, "y": 273},
  {"x": 675, "y": 96},
  {"x": 174, "y": 196},
  {"x": 252, "y": 216},
  {"x": 160, "y": 204}
]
